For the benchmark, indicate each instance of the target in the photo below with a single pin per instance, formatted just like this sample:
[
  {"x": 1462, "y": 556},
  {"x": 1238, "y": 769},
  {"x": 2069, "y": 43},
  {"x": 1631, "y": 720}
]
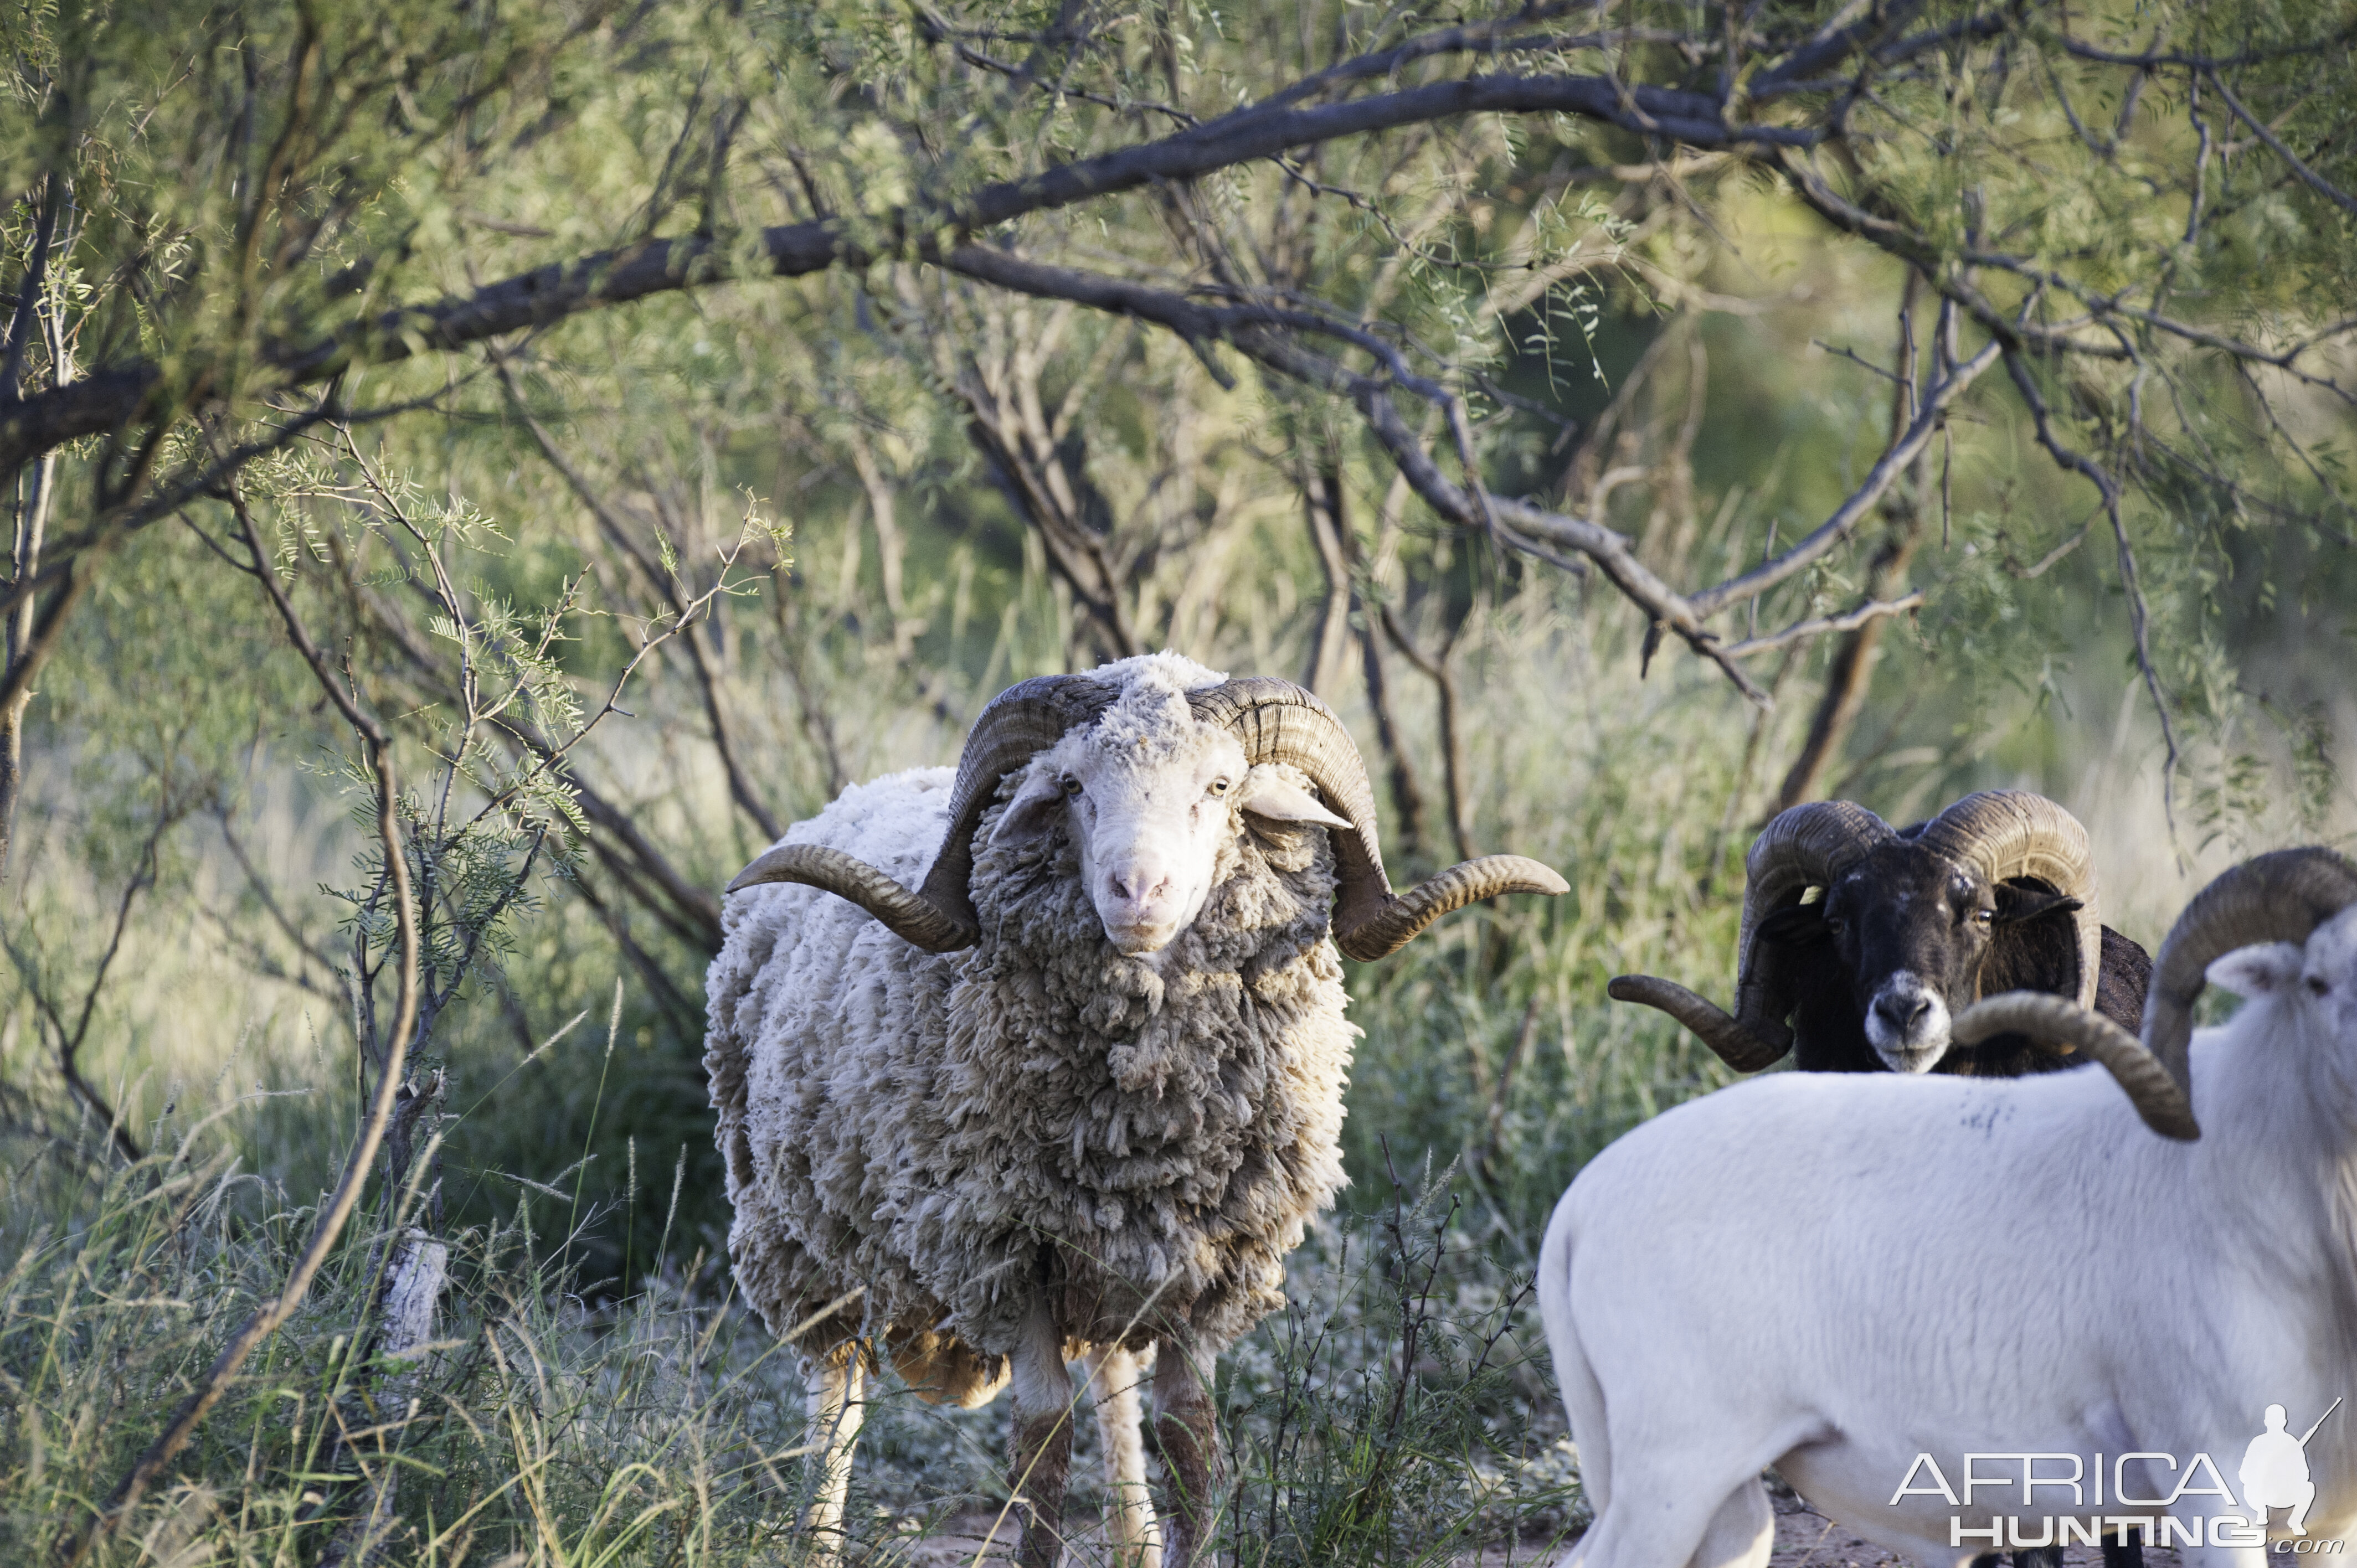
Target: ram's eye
[
  {"x": 1219, "y": 786},
  {"x": 1072, "y": 786},
  {"x": 2317, "y": 987},
  {"x": 1985, "y": 917},
  {"x": 1836, "y": 925}
]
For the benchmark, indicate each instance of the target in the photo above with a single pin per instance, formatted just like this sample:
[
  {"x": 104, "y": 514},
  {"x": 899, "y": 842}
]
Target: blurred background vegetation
[{"x": 485, "y": 345}]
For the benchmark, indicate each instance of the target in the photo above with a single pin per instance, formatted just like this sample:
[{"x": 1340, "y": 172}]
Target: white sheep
[
  {"x": 1862, "y": 1279},
  {"x": 1078, "y": 1094}
]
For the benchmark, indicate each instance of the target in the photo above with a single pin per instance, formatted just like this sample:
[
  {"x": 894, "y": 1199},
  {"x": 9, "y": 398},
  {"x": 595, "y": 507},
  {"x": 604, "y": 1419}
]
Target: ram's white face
[
  {"x": 2322, "y": 974},
  {"x": 1150, "y": 812}
]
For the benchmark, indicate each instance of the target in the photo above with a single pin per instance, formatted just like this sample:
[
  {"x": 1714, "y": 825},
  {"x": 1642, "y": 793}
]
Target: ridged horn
[
  {"x": 2158, "y": 1097},
  {"x": 910, "y": 915},
  {"x": 1021, "y": 722},
  {"x": 2277, "y": 898},
  {"x": 1738, "y": 1046},
  {"x": 1277, "y": 721},
  {"x": 1805, "y": 846},
  {"x": 2002, "y": 834}
]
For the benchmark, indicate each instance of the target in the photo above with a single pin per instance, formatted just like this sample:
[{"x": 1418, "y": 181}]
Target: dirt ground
[
  {"x": 1807, "y": 1539},
  {"x": 1804, "y": 1539}
]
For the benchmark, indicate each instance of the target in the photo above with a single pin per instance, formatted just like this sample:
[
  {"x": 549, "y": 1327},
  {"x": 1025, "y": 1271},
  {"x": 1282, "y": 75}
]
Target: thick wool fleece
[{"x": 1143, "y": 1139}]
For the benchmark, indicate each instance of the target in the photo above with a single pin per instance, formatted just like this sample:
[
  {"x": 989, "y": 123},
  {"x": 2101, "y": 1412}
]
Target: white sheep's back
[{"x": 822, "y": 1029}]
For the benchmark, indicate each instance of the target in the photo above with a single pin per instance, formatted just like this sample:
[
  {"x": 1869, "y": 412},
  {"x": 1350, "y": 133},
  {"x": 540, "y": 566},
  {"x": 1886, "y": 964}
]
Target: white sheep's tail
[{"x": 1583, "y": 1397}]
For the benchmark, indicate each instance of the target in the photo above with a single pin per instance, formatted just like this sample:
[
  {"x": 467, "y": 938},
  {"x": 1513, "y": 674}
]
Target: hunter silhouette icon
[{"x": 2275, "y": 1471}]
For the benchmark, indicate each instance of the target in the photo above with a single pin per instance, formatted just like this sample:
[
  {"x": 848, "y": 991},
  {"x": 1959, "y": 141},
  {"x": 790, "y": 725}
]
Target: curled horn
[
  {"x": 2158, "y": 1097},
  {"x": 2002, "y": 834},
  {"x": 1277, "y": 721},
  {"x": 1746, "y": 1047},
  {"x": 1021, "y": 722},
  {"x": 1806, "y": 846},
  {"x": 2278, "y": 897}
]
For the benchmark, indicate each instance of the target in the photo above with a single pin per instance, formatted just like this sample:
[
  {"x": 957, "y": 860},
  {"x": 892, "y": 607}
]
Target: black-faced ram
[{"x": 1998, "y": 892}]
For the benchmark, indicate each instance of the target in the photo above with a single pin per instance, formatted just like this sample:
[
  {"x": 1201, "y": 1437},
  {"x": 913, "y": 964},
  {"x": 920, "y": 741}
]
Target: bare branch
[
  {"x": 111, "y": 398},
  {"x": 1267, "y": 334},
  {"x": 1802, "y": 630},
  {"x": 664, "y": 582},
  {"x": 1846, "y": 517},
  {"x": 2139, "y": 617},
  {"x": 1452, "y": 732},
  {"x": 2308, "y": 177},
  {"x": 28, "y": 290}
]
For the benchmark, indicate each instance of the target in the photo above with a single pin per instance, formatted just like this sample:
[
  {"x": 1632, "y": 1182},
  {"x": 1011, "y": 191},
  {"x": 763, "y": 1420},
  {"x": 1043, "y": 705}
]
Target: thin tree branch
[
  {"x": 1267, "y": 334},
  {"x": 69, "y": 1046},
  {"x": 1452, "y": 732},
  {"x": 2139, "y": 617},
  {"x": 1802, "y": 630},
  {"x": 2308, "y": 177},
  {"x": 75, "y": 1544},
  {"x": 667, "y": 583},
  {"x": 28, "y": 291},
  {"x": 1846, "y": 517}
]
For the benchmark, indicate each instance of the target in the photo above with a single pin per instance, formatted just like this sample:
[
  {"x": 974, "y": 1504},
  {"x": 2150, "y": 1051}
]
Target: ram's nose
[
  {"x": 1907, "y": 1024},
  {"x": 1138, "y": 903},
  {"x": 1901, "y": 1013},
  {"x": 1139, "y": 884}
]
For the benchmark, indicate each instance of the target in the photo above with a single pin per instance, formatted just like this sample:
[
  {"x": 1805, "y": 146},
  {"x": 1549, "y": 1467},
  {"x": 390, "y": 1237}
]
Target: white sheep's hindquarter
[
  {"x": 1745, "y": 1281},
  {"x": 1691, "y": 1499},
  {"x": 1683, "y": 1369}
]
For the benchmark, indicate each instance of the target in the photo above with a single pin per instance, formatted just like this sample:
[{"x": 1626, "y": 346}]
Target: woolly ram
[
  {"x": 1994, "y": 1268},
  {"x": 1078, "y": 1094}
]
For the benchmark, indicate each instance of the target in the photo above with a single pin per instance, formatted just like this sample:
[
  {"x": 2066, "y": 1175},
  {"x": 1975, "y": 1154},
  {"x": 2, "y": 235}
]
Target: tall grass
[{"x": 1386, "y": 1416}]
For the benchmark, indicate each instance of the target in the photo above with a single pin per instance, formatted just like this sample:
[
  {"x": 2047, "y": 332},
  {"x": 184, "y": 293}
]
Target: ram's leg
[
  {"x": 1042, "y": 1458},
  {"x": 835, "y": 1411},
  {"x": 1114, "y": 1377},
  {"x": 1742, "y": 1533},
  {"x": 1629, "y": 1535},
  {"x": 1677, "y": 1505},
  {"x": 1186, "y": 1431}
]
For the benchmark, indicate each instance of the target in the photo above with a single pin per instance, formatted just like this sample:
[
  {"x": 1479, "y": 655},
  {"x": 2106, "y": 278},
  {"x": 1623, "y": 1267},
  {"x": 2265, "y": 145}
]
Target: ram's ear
[
  {"x": 2017, "y": 902},
  {"x": 2036, "y": 944},
  {"x": 2260, "y": 971},
  {"x": 1033, "y": 808},
  {"x": 1794, "y": 926},
  {"x": 1268, "y": 793}
]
